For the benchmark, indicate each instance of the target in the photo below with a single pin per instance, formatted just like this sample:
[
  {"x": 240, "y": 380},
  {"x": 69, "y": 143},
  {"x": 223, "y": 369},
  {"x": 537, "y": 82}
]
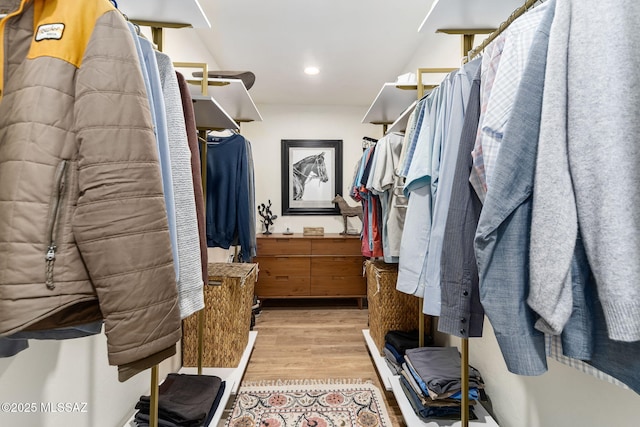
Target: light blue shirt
[
  {"x": 456, "y": 102},
  {"x": 502, "y": 238},
  {"x": 422, "y": 109},
  {"x": 156, "y": 100},
  {"x": 417, "y": 225},
  {"x": 418, "y": 166},
  {"x": 363, "y": 197},
  {"x": 420, "y": 188}
]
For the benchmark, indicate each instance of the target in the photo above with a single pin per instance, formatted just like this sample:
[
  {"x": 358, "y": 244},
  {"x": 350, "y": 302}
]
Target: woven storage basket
[
  {"x": 389, "y": 309},
  {"x": 228, "y": 300}
]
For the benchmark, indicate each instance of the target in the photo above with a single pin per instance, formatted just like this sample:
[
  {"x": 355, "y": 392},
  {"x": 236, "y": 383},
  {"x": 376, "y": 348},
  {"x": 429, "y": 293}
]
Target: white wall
[
  {"x": 304, "y": 122},
  {"x": 72, "y": 371},
  {"x": 184, "y": 45}
]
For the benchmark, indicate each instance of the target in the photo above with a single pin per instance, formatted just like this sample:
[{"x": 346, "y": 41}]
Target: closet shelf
[
  {"x": 392, "y": 383},
  {"x": 233, "y": 96},
  {"x": 209, "y": 113},
  {"x": 412, "y": 420},
  {"x": 390, "y": 102},
  {"x": 467, "y": 14},
  {"x": 231, "y": 376},
  {"x": 400, "y": 125},
  {"x": 165, "y": 13},
  {"x": 381, "y": 366}
]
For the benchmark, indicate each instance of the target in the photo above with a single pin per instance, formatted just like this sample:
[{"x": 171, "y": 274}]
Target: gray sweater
[
  {"x": 190, "y": 281},
  {"x": 587, "y": 179}
]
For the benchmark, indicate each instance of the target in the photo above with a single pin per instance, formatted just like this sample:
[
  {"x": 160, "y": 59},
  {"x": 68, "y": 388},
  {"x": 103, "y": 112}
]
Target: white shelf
[
  {"x": 390, "y": 102},
  {"x": 411, "y": 419},
  {"x": 235, "y": 99},
  {"x": 392, "y": 383},
  {"x": 183, "y": 12},
  {"x": 209, "y": 113},
  {"x": 231, "y": 376},
  {"x": 400, "y": 125},
  {"x": 467, "y": 14},
  {"x": 381, "y": 366}
]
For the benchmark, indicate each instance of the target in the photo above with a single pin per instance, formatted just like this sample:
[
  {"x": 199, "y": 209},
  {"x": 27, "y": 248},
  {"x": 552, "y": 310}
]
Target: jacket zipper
[{"x": 54, "y": 219}]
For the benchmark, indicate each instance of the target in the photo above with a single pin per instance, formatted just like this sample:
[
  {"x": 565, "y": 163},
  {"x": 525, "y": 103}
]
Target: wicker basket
[
  {"x": 389, "y": 309},
  {"x": 227, "y": 317}
]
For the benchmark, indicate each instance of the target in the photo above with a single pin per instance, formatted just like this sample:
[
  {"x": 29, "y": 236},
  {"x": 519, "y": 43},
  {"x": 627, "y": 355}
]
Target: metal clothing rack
[
  {"x": 158, "y": 40},
  {"x": 468, "y": 53},
  {"x": 472, "y": 53},
  {"x": 204, "y": 87}
]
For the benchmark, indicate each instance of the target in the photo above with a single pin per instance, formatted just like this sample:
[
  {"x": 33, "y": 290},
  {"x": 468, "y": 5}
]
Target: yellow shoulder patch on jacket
[{"x": 62, "y": 28}]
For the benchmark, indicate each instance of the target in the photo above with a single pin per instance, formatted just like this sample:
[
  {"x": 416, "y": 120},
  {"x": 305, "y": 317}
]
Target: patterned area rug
[{"x": 309, "y": 403}]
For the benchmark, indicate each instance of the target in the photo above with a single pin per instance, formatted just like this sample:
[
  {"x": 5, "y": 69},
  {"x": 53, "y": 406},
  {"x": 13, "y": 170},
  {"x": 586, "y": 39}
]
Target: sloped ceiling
[{"x": 357, "y": 44}]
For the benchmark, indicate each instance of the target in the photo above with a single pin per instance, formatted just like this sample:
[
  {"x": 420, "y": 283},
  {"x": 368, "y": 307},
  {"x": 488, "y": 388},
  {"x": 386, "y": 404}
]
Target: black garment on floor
[{"x": 184, "y": 400}]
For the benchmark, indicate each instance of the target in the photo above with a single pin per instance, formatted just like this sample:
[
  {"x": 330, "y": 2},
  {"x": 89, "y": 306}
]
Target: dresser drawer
[
  {"x": 283, "y": 246},
  {"x": 282, "y": 286},
  {"x": 336, "y": 246},
  {"x": 338, "y": 286},
  {"x": 336, "y": 266},
  {"x": 270, "y": 267}
]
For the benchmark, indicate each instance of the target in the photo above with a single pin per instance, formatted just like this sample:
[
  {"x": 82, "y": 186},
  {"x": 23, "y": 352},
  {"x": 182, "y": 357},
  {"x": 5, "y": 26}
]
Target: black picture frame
[{"x": 309, "y": 157}]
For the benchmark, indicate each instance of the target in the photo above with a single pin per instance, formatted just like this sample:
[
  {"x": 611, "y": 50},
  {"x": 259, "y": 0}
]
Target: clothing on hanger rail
[
  {"x": 222, "y": 133},
  {"x": 101, "y": 174},
  {"x": 230, "y": 203},
  {"x": 503, "y": 26},
  {"x": 368, "y": 142}
]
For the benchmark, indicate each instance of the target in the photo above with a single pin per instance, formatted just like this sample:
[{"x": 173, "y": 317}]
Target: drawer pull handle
[{"x": 282, "y": 277}]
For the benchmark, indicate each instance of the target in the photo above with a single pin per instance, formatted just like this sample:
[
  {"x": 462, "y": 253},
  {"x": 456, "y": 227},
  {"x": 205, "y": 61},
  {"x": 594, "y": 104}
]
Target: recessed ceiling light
[{"x": 311, "y": 71}]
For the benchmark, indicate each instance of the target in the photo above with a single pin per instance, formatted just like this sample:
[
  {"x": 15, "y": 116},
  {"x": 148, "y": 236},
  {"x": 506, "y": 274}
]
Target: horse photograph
[
  {"x": 306, "y": 170},
  {"x": 309, "y": 178}
]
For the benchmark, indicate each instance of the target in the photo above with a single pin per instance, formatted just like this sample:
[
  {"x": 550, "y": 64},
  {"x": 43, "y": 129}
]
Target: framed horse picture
[{"x": 311, "y": 176}]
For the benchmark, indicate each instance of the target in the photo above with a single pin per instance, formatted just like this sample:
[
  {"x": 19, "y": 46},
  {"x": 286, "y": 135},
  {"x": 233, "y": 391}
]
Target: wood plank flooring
[{"x": 314, "y": 339}]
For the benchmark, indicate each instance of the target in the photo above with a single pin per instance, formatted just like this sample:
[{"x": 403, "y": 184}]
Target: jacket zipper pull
[{"x": 50, "y": 257}]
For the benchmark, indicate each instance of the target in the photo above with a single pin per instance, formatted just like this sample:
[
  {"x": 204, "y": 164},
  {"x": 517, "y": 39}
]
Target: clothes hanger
[
  {"x": 223, "y": 132},
  {"x": 137, "y": 27},
  {"x": 368, "y": 142}
]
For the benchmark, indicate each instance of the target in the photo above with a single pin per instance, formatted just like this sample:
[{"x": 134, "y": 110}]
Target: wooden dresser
[{"x": 297, "y": 266}]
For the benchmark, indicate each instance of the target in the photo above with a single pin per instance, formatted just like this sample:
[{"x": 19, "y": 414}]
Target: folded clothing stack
[
  {"x": 431, "y": 380},
  {"x": 396, "y": 343},
  {"x": 183, "y": 401}
]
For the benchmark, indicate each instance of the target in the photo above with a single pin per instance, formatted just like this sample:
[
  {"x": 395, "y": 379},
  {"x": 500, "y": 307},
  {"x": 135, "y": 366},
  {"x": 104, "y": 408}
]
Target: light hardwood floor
[{"x": 314, "y": 339}]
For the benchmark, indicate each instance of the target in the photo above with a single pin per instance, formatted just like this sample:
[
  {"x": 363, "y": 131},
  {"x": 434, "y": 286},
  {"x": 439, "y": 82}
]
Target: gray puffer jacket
[{"x": 83, "y": 226}]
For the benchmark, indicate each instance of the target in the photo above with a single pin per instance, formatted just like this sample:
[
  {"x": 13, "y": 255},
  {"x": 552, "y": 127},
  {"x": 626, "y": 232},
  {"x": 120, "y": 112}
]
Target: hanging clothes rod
[{"x": 528, "y": 4}]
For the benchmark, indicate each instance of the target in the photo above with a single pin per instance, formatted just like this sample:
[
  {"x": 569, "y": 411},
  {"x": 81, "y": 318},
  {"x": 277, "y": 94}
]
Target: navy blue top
[{"x": 228, "y": 194}]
